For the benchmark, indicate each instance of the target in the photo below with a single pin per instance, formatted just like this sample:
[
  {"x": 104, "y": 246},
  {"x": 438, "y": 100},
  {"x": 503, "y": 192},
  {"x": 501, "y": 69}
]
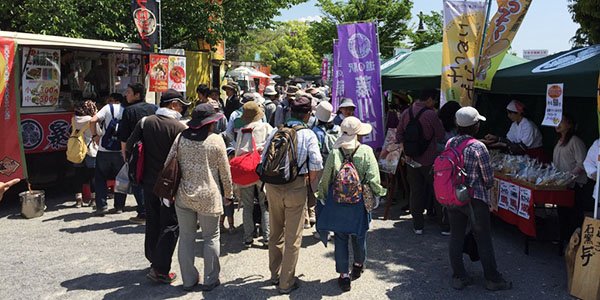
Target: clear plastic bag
[{"x": 122, "y": 180}]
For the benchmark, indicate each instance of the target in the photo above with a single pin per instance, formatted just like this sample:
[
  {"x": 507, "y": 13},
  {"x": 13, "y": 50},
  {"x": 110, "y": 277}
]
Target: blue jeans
[
  {"x": 359, "y": 249},
  {"x": 138, "y": 193},
  {"x": 108, "y": 165}
]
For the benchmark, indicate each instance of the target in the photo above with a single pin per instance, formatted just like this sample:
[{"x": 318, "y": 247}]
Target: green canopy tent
[
  {"x": 422, "y": 68},
  {"x": 577, "y": 69}
]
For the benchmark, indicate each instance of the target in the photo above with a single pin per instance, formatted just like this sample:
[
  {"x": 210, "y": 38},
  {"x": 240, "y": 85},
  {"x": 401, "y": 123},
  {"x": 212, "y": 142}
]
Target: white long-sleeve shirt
[
  {"x": 591, "y": 164},
  {"x": 525, "y": 132}
]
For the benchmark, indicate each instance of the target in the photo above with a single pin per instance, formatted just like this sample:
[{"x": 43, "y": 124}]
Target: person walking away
[
  {"x": 271, "y": 102},
  {"x": 568, "y": 156},
  {"x": 283, "y": 112},
  {"x": 523, "y": 137},
  {"x": 204, "y": 166},
  {"x": 255, "y": 132},
  {"x": 109, "y": 160},
  {"x": 135, "y": 109},
  {"x": 233, "y": 101},
  {"x": 287, "y": 201},
  {"x": 158, "y": 133},
  {"x": 346, "y": 109},
  {"x": 349, "y": 222},
  {"x": 327, "y": 133},
  {"x": 418, "y": 132},
  {"x": 480, "y": 179},
  {"x": 84, "y": 171}
]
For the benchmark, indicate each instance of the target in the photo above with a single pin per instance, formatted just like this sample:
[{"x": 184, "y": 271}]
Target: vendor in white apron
[{"x": 523, "y": 137}]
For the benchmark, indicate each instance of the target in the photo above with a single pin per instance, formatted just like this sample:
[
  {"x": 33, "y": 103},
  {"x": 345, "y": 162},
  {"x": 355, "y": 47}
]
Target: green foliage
[
  {"x": 286, "y": 49},
  {"x": 433, "y": 24},
  {"x": 587, "y": 14},
  {"x": 184, "y": 21},
  {"x": 391, "y": 16}
]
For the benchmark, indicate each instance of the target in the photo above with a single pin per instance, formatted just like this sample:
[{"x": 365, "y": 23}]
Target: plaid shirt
[{"x": 480, "y": 174}]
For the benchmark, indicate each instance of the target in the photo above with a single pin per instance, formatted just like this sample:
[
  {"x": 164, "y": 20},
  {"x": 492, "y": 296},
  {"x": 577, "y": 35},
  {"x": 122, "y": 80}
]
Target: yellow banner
[
  {"x": 500, "y": 33},
  {"x": 463, "y": 28},
  {"x": 198, "y": 71}
]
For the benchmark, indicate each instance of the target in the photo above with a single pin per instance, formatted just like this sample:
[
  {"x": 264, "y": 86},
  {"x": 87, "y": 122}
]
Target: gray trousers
[
  {"x": 247, "y": 198},
  {"x": 187, "y": 245}
]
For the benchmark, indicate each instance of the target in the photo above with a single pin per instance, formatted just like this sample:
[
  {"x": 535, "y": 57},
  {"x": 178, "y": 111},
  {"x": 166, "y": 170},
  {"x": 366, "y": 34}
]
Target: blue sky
[{"x": 548, "y": 23}]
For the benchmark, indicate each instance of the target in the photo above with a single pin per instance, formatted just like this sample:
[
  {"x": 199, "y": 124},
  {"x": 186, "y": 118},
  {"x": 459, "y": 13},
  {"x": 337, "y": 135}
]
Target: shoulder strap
[
  {"x": 73, "y": 128},
  {"x": 142, "y": 124},
  {"x": 420, "y": 113},
  {"x": 112, "y": 112}
]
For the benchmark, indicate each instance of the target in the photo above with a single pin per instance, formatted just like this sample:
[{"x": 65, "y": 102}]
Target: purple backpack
[{"x": 449, "y": 176}]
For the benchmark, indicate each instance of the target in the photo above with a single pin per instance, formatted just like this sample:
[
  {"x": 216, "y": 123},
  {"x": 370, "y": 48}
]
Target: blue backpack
[{"x": 109, "y": 140}]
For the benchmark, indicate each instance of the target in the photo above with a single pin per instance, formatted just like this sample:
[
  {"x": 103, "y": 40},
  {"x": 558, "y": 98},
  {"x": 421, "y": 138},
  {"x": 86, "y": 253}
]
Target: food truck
[{"x": 49, "y": 75}]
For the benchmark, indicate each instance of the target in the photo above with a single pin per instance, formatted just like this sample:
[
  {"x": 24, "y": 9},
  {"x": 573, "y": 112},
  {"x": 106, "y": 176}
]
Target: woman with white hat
[
  {"x": 349, "y": 222},
  {"x": 346, "y": 109},
  {"x": 523, "y": 137}
]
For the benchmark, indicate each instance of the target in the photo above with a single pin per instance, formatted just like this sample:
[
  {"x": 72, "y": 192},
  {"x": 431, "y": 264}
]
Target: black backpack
[
  {"x": 109, "y": 140},
  {"x": 415, "y": 143}
]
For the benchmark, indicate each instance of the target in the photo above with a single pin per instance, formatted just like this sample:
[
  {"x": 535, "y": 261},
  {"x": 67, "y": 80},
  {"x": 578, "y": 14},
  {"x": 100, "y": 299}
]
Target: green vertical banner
[{"x": 500, "y": 33}]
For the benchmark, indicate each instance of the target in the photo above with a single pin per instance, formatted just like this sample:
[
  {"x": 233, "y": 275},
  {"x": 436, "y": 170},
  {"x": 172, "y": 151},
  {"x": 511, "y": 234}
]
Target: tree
[
  {"x": 587, "y": 14},
  {"x": 433, "y": 25},
  {"x": 391, "y": 16},
  {"x": 184, "y": 21},
  {"x": 286, "y": 49}
]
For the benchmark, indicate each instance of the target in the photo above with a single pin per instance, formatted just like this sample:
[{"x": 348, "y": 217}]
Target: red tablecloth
[{"x": 524, "y": 218}]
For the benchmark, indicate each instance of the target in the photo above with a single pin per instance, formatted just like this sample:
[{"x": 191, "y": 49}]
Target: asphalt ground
[{"x": 70, "y": 254}]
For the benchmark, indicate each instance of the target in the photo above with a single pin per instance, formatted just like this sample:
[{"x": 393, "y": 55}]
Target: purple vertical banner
[
  {"x": 337, "y": 86},
  {"x": 359, "y": 64}
]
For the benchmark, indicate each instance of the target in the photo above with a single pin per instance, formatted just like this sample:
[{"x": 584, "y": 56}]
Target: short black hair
[
  {"x": 118, "y": 97},
  {"x": 469, "y": 130},
  {"x": 429, "y": 93},
  {"x": 138, "y": 88},
  {"x": 215, "y": 90},
  {"x": 298, "y": 115},
  {"x": 447, "y": 115},
  {"x": 203, "y": 89}
]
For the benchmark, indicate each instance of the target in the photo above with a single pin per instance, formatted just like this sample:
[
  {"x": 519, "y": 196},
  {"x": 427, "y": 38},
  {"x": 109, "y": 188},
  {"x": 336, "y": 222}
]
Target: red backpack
[
  {"x": 449, "y": 176},
  {"x": 243, "y": 167}
]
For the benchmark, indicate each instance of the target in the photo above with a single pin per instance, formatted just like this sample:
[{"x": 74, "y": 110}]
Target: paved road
[{"x": 69, "y": 254}]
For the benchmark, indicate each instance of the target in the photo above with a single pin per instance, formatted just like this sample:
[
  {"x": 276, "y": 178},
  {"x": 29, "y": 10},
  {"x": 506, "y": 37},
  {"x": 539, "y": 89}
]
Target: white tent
[{"x": 242, "y": 72}]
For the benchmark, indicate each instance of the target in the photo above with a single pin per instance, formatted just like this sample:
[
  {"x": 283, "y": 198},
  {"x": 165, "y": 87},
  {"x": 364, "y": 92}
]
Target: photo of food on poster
[
  {"x": 159, "y": 71},
  {"x": 177, "y": 73},
  {"x": 524, "y": 202},
  {"x": 41, "y": 77},
  {"x": 390, "y": 155},
  {"x": 513, "y": 198},
  {"x": 504, "y": 194}
]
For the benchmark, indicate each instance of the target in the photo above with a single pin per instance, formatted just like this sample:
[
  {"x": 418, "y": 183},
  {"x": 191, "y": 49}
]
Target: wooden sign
[{"x": 586, "y": 276}]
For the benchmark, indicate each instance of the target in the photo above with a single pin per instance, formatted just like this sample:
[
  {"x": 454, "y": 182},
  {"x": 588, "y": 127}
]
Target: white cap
[
  {"x": 515, "y": 106},
  {"x": 323, "y": 112},
  {"x": 351, "y": 127},
  {"x": 468, "y": 116}
]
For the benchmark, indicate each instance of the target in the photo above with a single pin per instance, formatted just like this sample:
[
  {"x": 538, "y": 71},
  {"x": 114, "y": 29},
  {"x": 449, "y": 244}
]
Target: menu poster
[
  {"x": 504, "y": 193},
  {"x": 390, "y": 154},
  {"x": 554, "y": 105},
  {"x": 159, "y": 69},
  {"x": 524, "y": 202},
  {"x": 513, "y": 198},
  {"x": 495, "y": 194},
  {"x": 177, "y": 73},
  {"x": 41, "y": 77}
]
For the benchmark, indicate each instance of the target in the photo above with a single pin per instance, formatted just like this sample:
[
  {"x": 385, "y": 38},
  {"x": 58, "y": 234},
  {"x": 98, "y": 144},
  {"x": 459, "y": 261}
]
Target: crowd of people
[{"x": 292, "y": 163}]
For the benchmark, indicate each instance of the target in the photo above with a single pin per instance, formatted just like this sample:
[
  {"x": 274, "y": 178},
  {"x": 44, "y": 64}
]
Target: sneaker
[
  {"x": 344, "y": 283},
  {"x": 418, "y": 231},
  {"x": 317, "y": 235},
  {"x": 292, "y": 288},
  {"x": 499, "y": 285},
  {"x": 275, "y": 281},
  {"x": 307, "y": 226},
  {"x": 460, "y": 283},
  {"x": 312, "y": 220},
  {"x": 191, "y": 287},
  {"x": 445, "y": 233},
  {"x": 137, "y": 220},
  {"x": 78, "y": 200},
  {"x": 356, "y": 271},
  {"x": 100, "y": 212},
  {"x": 248, "y": 244},
  {"x": 210, "y": 287},
  {"x": 116, "y": 210},
  {"x": 161, "y": 278}
]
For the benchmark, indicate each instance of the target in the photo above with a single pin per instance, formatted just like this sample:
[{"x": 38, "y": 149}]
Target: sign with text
[
  {"x": 587, "y": 262},
  {"x": 41, "y": 76},
  {"x": 554, "y": 105},
  {"x": 513, "y": 198},
  {"x": 501, "y": 31},
  {"x": 463, "y": 28},
  {"x": 45, "y": 132},
  {"x": 524, "y": 202},
  {"x": 159, "y": 70},
  {"x": 359, "y": 62},
  {"x": 146, "y": 22},
  {"x": 177, "y": 73}
]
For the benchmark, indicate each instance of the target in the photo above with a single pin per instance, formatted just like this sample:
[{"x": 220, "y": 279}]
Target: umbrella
[{"x": 245, "y": 71}]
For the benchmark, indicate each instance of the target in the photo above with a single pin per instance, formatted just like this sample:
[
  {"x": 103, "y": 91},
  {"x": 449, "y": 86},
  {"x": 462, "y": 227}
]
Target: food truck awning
[{"x": 29, "y": 39}]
